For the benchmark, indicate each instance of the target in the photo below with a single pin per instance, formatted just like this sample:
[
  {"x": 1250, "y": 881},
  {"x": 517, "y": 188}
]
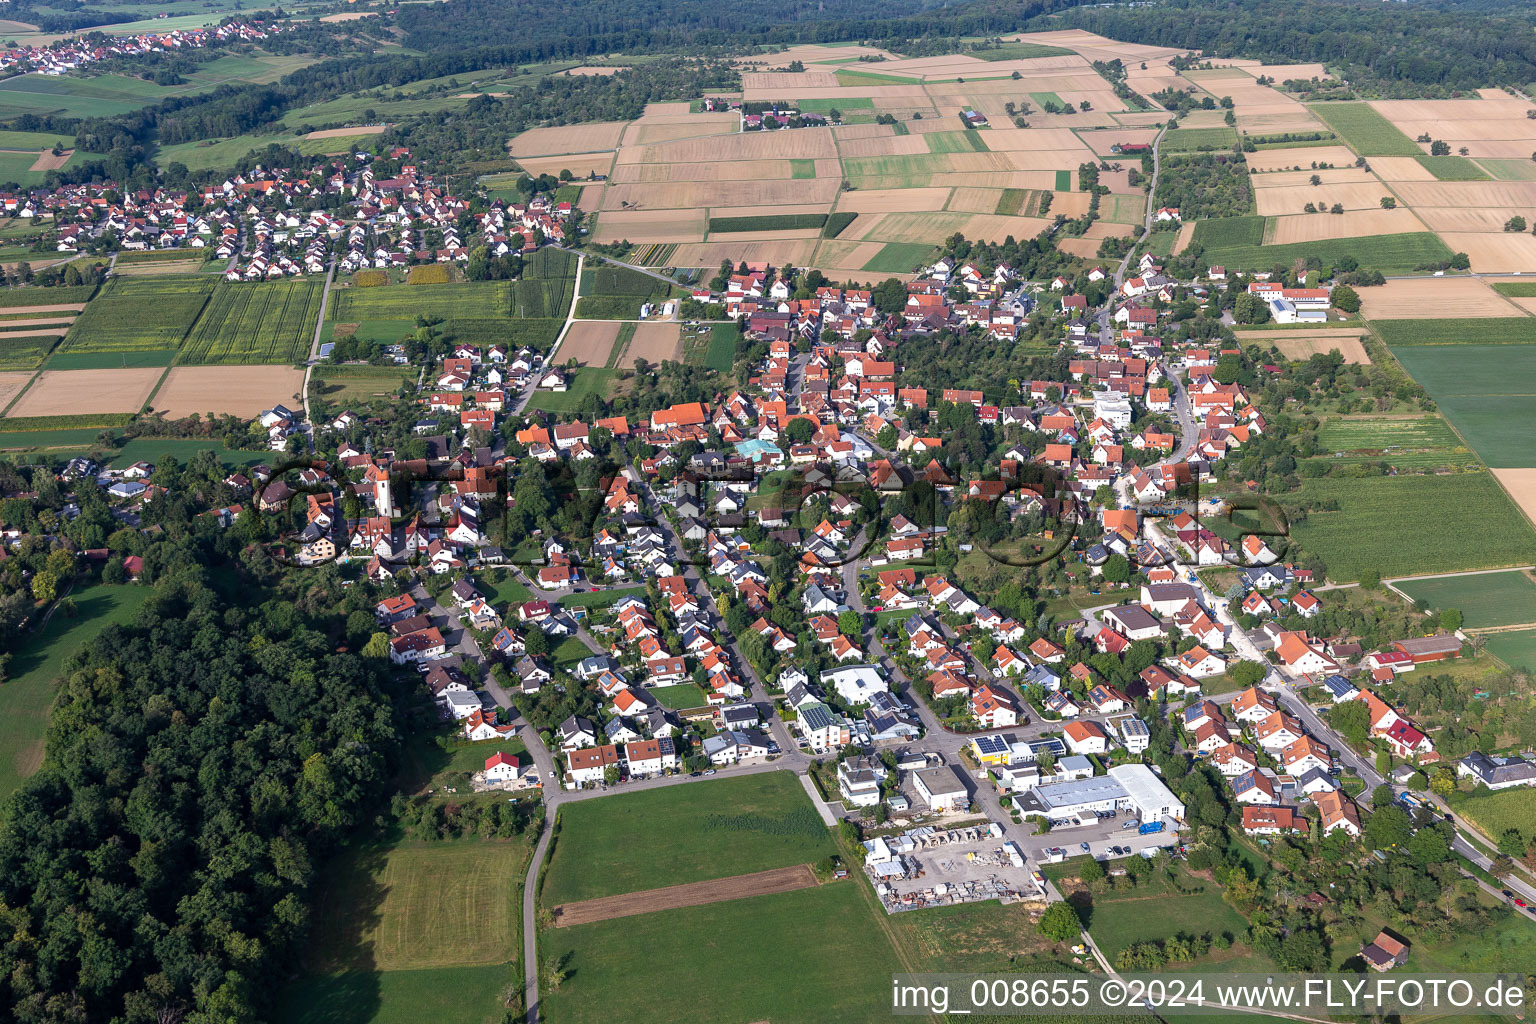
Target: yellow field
[
  {"x": 12, "y": 383},
  {"x": 796, "y": 252},
  {"x": 1314, "y": 227},
  {"x": 67, "y": 392},
  {"x": 1301, "y": 158},
  {"x": 581, "y": 165},
  {"x": 1363, "y": 195},
  {"x": 1295, "y": 347},
  {"x": 651, "y": 226},
  {"x": 590, "y": 342},
  {"x": 1434, "y": 298},
  {"x": 1495, "y": 252},
  {"x": 688, "y": 195},
  {"x": 653, "y": 342},
  {"x": 1521, "y": 485},
  {"x": 232, "y": 390},
  {"x": 575, "y": 138}
]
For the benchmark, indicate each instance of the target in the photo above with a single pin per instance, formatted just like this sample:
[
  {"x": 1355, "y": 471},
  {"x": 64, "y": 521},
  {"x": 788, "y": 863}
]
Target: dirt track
[{"x": 693, "y": 894}]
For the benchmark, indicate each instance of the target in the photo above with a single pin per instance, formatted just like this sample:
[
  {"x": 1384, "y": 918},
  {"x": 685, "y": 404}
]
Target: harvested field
[
  {"x": 698, "y": 195},
  {"x": 786, "y": 210},
  {"x": 46, "y": 161},
  {"x": 10, "y": 386},
  {"x": 591, "y": 196},
  {"x": 796, "y": 252},
  {"x": 670, "y": 129},
  {"x": 845, "y": 254},
  {"x": 692, "y": 894},
  {"x": 581, "y": 165},
  {"x": 62, "y": 307},
  {"x": 844, "y": 132},
  {"x": 1521, "y": 485},
  {"x": 1329, "y": 176},
  {"x": 788, "y": 82},
  {"x": 764, "y": 235},
  {"x": 1101, "y": 142},
  {"x": 1499, "y": 252},
  {"x": 653, "y": 342},
  {"x": 573, "y": 138},
  {"x": 1314, "y": 227},
  {"x": 1469, "y": 193},
  {"x": 730, "y": 170},
  {"x": 1297, "y": 347},
  {"x": 999, "y": 139},
  {"x": 884, "y": 145},
  {"x": 1087, "y": 248},
  {"x": 894, "y": 200},
  {"x": 933, "y": 227},
  {"x": 1486, "y": 218},
  {"x": 69, "y": 392},
  {"x": 45, "y": 321},
  {"x": 242, "y": 391},
  {"x": 782, "y": 145},
  {"x": 1360, "y": 195},
  {"x": 651, "y": 226},
  {"x": 590, "y": 342},
  {"x": 1434, "y": 298},
  {"x": 48, "y": 332},
  {"x": 1300, "y": 157},
  {"x": 974, "y": 200},
  {"x": 1186, "y": 232},
  {"x": 1400, "y": 168},
  {"x": 342, "y": 133}
]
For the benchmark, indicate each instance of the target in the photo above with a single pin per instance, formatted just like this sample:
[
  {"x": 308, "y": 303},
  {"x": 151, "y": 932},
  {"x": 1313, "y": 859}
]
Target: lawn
[
  {"x": 1161, "y": 907},
  {"x": 601, "y": 598},
  {"x": 720, "y": 354},
  {"x": 808, "y": 956},
  {"x": 1228, "y": 232},
  {"x": 899, "y": 257},
  {"x": 1495, "y": 330},
  {"x": 1516, "y": 648},
  {"x": 681, "y": 697},
  {"x": 69, "y": 437},
  {"x": 1364, "y": 130},
  {"x": 152, "y": 449},
  {"x": 501, "y": 588},
  {"x": 416, "y": 905},
  {"x": 1192, "y": 140},
  {"x": 1406, "y": 525},
  {"x": 343, "y": 384},
  {"x": 1387, "y": 253},
  {"x": 1484, "y": 390},
  {"x": 27, "y": 694},
  {"x": 584, "y": 381},
  {"x": 1452, "y": 168},
  {"x": 1063, "y": 181},
  {"x": 444, "y": 995},
  {"x": 1497, "y": 599},
  {"x": 688, "y": 833},
  {"x": 1494, "y": 813}
]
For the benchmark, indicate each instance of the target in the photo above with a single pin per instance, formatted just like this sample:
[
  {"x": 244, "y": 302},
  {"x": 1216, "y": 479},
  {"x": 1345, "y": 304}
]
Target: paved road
[
  {"x": 314, "y": 348},
  {"x": 549, "y": 361}
]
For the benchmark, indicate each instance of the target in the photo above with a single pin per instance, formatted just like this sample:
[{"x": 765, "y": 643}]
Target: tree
[
  {"x": 1351, "y": 720},
  {"x": 850, "y": 624},
  {"x": 1443, "y": 783},
  {"x": 1383, "y": 761},
  {"x": 1059, "y": 923},
  {"x": 1450, "y": 619},
  {"x": 1316, "y": 180},
  {"x": 1091, "y": 871},
  {"x": 1246, "y": 673},
  {"x": 1388, "y": 828},
  {"x": 45, "y": 586},
  {"x": 1515, "y": 223},
  {"x": 1438, "y": 148},
  {"x": 611, "y": 774},
  {"x": 1250, "y": 309},
  {"x": 799, "y": 431},
  {"x": 536, "y": 643},
  {"x": 1117, "y": 569},
  {"x": 1388, "y": 203},
  {"x": 1512, "y": 844},
  {"x": 1346, "y": 298},
  {"x": 377, "y": 647}
]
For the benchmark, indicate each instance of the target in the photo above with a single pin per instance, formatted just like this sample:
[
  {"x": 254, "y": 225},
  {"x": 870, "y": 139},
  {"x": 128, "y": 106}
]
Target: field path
[
  {"x": 314, "y": 348},
  {"x": 690, "y": 894}
]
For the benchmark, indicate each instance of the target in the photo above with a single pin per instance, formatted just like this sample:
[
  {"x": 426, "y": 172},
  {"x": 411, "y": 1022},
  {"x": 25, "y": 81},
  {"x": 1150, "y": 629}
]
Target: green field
[
  {"x": 1452, "y": 168},
  {"x": 1493, "y": 813},
  {"x": 693, "y": 832},
  {"x": 616, "y": 293},
  {"x": 841, "y": 104},
  {"x": 767, "y": 222},
  {"x": 1128, "y": 210},
  {"x": 1492, "y": 599},
  {"x": 1019, "y": 51},
  {"x": 1402, "y": 525},
  {"x": 67, "y": 421},
  {"x": 899, "y": 257},
  {"x": 25, "y": 353},
  {"x": 584, "y": 381},
  {"x": 1406, "y": 442},
  {"x": 545, "y": 289},
  {"x": 802, "y": 168},
  {"x": 256, "y": 322},
  {"x": 1509, "y": 170},
  {"x": 27, "y": 694},
  {"x": 720, "y": 354},
  {"x": 1063, "y": 181},
  {"x": 140, "y": 314},
  {"x": 56, "y": 296},
  {"x": 111, "y": 94},
  {"x": 1387, "y": 253},
  {"x": 955, "y": 142},
  {"x": 1516, "y": 648},
  {"x": 343, "y": 384},
  {"x": 849, "y": 76},
  {"x": 1484, "y": 390},
  {"x": 445, "y": 995},
  {"x": 21, "y": 440},
  {"x": 1192, "y": 140},
  {"x": 152, "y": 449},
  {"x": 1495, "y": 330},
  {"x": 1230, "y": 232},
  {"x": 111, "y": 360},
  {"x": 469, "y": 299},
  {"x": 681, "y": 697},
  {"x": 812, "y": 956},
  {"x": 1040, "y": 99},
  {"x": 1516, "y": 289},
  {"x": 1364, "y": 130}
]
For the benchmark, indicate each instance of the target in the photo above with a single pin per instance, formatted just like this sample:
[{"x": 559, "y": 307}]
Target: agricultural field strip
[{"x": 689, "y": 894}]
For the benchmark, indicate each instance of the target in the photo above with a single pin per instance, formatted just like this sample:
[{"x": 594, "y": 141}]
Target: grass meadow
[
  {"x": 1364, "y": 130},
  {"x": 1517, "y": 648},
  {"x": 1496, "y": 599},
  {"x": 689, "y": 833},
  {"x": 1484, "y": 390},
  {"x": 27, "y": 694}
]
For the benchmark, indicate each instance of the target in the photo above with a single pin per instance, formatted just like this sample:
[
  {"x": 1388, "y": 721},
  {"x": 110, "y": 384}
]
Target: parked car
[{"x": 1085, "y": 847}]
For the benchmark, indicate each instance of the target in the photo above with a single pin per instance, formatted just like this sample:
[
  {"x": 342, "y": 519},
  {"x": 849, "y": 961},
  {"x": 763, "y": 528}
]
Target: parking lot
[{"x": 1100, "y": 836}]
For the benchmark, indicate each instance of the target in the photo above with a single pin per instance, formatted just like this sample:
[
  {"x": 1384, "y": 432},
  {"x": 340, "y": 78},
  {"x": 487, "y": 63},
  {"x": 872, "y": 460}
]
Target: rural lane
[{"x": 549, "y": 361}]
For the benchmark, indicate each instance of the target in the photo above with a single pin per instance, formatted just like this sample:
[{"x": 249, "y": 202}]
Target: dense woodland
[{"x": 201, "y": 764}]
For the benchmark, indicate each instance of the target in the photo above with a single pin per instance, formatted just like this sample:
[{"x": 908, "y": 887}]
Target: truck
[{"x": 1149, "y": 828}]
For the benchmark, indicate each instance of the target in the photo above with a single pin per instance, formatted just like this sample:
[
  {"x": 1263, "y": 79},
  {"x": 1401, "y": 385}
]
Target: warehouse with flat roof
[{"x": 1127, "y": 787}]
